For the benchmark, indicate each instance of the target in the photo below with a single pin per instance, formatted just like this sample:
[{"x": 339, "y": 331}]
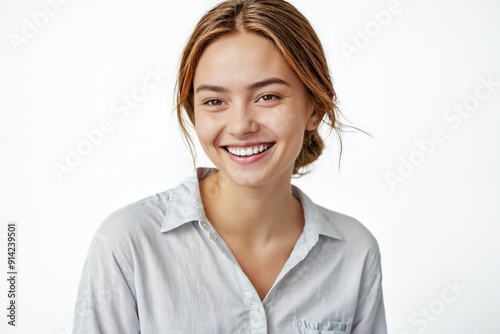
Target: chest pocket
[{"x": 323, "y": 327}]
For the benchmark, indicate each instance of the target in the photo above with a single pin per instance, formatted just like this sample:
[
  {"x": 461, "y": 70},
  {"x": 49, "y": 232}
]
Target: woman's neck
[{"x": 253, "y": 216}]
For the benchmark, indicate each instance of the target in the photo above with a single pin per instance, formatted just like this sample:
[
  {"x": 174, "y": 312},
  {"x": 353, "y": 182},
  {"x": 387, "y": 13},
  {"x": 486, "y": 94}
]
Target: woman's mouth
[{"x": 248, "y": 151}]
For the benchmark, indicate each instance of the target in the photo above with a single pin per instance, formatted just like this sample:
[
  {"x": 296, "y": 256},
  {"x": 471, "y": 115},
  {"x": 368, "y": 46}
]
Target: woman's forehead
[{"x": 242, "y": 59}]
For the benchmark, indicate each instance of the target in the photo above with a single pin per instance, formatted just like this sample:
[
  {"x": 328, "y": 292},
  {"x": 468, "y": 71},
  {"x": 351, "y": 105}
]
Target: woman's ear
[{"x": 313, "y": 121}]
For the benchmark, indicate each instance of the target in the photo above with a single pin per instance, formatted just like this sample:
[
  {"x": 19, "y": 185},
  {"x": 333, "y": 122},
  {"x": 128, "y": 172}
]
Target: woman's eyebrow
[
  {"x": 267, "y": 82},
  {"x": 255, "y": 85}
]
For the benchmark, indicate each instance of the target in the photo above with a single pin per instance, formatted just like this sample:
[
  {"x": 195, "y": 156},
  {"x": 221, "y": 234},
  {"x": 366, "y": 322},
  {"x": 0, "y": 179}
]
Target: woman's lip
[
  {"x": 247, "y": 160},
  {"x": 248, "y": 144}
]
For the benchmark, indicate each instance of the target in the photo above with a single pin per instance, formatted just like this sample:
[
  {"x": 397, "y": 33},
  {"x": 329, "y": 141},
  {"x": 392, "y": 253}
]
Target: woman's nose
[{"x": 241, "y": 121}]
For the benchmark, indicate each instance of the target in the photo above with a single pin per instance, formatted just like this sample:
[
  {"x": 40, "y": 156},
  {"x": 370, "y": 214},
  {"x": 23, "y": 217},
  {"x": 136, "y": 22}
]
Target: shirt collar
[
  {"x": 316, "y": 221},
  {"x": 184, "y": 201},
  {"x": 185, "y": 205}
]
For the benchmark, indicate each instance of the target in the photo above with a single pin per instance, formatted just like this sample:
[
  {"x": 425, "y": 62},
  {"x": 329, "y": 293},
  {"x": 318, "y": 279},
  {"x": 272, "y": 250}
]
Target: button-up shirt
[{"x": 159, "y": 266}]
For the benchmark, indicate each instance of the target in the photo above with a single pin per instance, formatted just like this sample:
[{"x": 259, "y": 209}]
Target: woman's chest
[{"x": 210, "y": 294}]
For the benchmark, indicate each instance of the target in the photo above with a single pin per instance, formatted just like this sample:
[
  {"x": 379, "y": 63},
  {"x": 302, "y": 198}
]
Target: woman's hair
[{"x": 294, "y": 38}]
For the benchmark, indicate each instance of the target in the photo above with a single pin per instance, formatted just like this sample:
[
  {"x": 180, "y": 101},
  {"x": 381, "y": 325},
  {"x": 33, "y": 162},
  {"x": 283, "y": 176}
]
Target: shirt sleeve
[
  {"x": 106, "y": 300},
  {"x": 370, "y": 313}
]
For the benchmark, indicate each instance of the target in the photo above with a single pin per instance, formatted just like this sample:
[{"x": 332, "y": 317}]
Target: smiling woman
[
  {"x": 238, "y": 248},
  {"x": 253, "y": 88}
]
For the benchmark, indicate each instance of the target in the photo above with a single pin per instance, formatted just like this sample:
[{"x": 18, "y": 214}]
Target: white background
[{"x": 438, "y": 224}]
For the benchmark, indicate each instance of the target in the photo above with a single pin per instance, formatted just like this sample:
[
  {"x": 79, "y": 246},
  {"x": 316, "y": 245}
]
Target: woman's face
[{"x": 251, "y": 110}]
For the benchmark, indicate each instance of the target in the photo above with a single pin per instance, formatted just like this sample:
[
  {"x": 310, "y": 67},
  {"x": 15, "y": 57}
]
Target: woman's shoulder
[
  {"x": 135, "y": 219},
  {"x": 347, "y": 226},
  {"x": 152, "y": 215},
  {"x": 353, "y": 238},
  {"x": 337, "y": 225}
]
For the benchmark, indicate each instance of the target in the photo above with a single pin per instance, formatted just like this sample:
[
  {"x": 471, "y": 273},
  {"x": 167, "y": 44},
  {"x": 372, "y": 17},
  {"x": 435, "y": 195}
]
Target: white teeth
[{"x": 243, "y": 152}]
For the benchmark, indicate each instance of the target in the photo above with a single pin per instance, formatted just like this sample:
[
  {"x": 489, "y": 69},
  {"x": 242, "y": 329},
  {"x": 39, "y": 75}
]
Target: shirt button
[
  {"x": 255, "y": 307},
  {"x": 212, "y": 235},
  {"x": 205, "y": 226}
]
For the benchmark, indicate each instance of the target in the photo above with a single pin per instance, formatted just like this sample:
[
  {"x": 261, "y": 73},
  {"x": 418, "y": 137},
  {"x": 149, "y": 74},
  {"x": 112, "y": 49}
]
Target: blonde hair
[{"x": 295, "y": 39}]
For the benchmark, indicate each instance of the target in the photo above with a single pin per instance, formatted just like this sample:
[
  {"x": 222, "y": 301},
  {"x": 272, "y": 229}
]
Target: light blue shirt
[{"x": 158, "y": 266}]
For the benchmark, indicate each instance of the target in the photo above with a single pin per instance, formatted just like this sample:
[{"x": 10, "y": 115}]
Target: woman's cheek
[
  {"x": 209, "y": 129},
  {"x": 283, "y": 118},
  {"x": 204, "y": 127}
]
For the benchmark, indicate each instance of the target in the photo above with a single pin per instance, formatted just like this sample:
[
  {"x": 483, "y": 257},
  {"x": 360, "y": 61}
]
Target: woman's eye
[
  {"x": 270, "y": 97},
  {"x": 213, "y": 102}
]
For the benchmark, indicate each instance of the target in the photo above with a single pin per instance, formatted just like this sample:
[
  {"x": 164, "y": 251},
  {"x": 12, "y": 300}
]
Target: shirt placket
[
  {"x": 256, "y": 309},
  {"x": 258, "y": 317}
]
